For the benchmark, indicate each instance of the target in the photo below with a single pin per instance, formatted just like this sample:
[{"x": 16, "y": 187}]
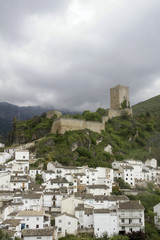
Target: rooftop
[
  {"x": 131, "y": 205},
  {"x": 38, "y": 232},
  {"x": 31, "y": 213}
]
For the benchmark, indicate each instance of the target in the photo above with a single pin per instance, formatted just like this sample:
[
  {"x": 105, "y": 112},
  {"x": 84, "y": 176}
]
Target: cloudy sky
[{"x": 69, "y": 53}]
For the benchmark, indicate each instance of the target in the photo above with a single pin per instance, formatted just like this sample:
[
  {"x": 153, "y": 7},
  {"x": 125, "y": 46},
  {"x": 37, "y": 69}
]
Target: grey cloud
[{"x": 76, "y": 66}]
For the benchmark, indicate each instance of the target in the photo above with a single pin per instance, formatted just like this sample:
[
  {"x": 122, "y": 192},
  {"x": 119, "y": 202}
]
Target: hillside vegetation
[
  {"x": 151, "y": 105},
  {"x": 135, "y": 137}
]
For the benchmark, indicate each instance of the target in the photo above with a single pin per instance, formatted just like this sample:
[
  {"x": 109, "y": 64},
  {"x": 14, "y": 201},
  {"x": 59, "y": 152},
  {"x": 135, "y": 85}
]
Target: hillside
[
  {"x": 130, "y": 137},
  {"x": 151, "y": 105},
  {"x": 8, "y": 112}
]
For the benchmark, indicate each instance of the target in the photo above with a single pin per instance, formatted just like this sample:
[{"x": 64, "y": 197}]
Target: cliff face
[{"x": 29, "y": 130}]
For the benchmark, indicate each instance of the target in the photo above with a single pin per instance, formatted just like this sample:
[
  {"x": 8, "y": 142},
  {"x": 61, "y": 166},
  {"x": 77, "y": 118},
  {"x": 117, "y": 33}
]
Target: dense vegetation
[
  {"x": 151, "y": 105},
  {"x": 136, "y": 137}
]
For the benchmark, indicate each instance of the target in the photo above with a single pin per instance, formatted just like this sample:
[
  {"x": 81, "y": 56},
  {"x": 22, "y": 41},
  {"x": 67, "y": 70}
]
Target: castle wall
[
  {"x": 117, "y": 113},
  {"x": 117, "y": 95},
  {"x": 50, "y": 114},
  {"x": 64, "y": 124}
]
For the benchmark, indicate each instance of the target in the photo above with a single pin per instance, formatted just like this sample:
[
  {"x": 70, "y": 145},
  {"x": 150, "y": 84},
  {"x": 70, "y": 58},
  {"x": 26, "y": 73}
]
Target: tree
[
  {"x": 39, "y": 179},
  {"x": 139, "y": 235},
  {"x": 4, "y": 236},
  {"x": 101, "y": 111},
  {"x": 119, "y": 237}
]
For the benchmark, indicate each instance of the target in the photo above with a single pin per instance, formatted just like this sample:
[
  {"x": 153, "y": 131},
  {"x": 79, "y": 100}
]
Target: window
[
  {"x": 122, "y": 220},
  {"x": 27, "y": 219},
  {"x": 69, "y": 223},
  {"x": 38, "y": 237},
  {"x": 126, "y": 178},
  {"x": 97, "y": 229},
  {"x": 60, "y": 221},
  {"x": 37, "y": 226},
  {"x": 59, "y": 229},
  {"x": 37, "y": 219},
  {"x": 27, "y": 226}
]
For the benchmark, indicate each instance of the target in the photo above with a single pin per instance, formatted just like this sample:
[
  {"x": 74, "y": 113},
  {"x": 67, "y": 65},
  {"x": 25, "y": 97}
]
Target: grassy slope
[
  {"x": 135, "y": 137},
  {"x": 130, "y": 137},
  {"x": 151, "y": 105}
]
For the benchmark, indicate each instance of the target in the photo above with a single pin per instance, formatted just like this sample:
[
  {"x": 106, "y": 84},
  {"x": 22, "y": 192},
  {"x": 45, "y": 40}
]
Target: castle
[{"x": 119, "y": 105}]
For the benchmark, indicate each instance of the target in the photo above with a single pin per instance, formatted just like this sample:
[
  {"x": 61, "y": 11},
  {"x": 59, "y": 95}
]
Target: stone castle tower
[{"x": 119, "y": 97}]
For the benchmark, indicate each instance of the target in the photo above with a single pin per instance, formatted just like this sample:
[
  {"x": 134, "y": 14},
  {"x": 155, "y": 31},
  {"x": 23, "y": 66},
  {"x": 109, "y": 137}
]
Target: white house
[
  {"x": 22, "y": 155},
  {"x": 130, "y": 216},
  {"x": 105, "y": 202},
  {"x": 127, "y": 174},
  {"x": 13, "y": 225},
  {"x": 105, "y": 221},
  {"x": 34, "y": 219},
  {"x": 98, "y": 189},
  {"x": 32, "y": 201},
  {"x": 19, "y": 182},
  {"x": 5, "y": 181},
  {"x": 56, "y": 183},
  {"x": 2, "y": 145},
  {"x": 34, "y": 171},
  {"x": 20, "y": 166},
  {"x": 5, "y": 210},
  {"x": 52, "y": 199},
  {"x": 151, "y": 163},
  {"x": 84, "y": 214},
  {"x": 43, "y": 234},
  {"x": 66, "y": 224},
  {"x": 4, "y": 157},
  {"x": 48, "y": 174},
  {"x": 68, "y": 204},
  {"x": 156, "y": 210}
]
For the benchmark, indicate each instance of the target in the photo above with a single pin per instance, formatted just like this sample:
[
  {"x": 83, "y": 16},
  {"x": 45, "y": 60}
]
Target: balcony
[
  {"x": 130, "y": 224},
  {"x": 130, "y": 217}
]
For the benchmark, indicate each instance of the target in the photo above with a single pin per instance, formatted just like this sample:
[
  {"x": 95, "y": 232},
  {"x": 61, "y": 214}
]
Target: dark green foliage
[
  {"x": 130, "y": 137},
  {"x": 150, "y": 106},
  {"x": 119, "y": 237},
  {"x": 149, "y": 200},
  {"x": 52, "y": 222},
  {"x": 139, "y": 235},
  {"x": 105, "y": 237},
  {"x": 116, "y": 190},
  {"x": 39, "y": 179},
  {"x": 101, "y": 111},
  {"x": 122, "y": 184},
  {"x": 84, "y": 152},
  {"x": 92, "y": 116},
  {"x": 124, "y": 104},
  {"x": 84, "y": 236},
  {"x": 4, "y": 236}
]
